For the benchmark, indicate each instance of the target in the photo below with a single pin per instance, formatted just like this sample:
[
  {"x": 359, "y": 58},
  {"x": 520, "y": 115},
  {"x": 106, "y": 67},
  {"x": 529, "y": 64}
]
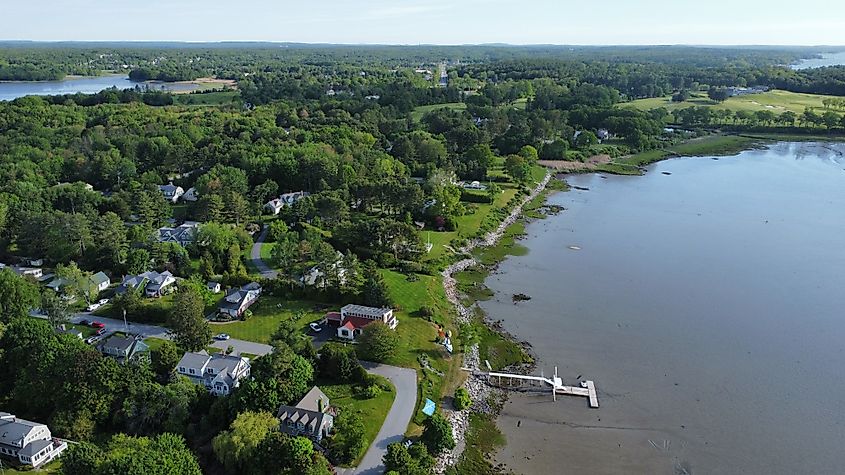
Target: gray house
[
  {"x": 237, "y": 301},
  {"x": 171, "y": 192},
  {"x": 184, "y": 234},
  {"x": 312, "y": 417},
  {"x": 125, "y": 349},
  {"x": 220, "y": 373},
  {"x": 30, "y": 443}
]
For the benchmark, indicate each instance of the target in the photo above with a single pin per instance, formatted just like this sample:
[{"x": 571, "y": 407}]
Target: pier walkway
[{"x": 586, "y": 389}]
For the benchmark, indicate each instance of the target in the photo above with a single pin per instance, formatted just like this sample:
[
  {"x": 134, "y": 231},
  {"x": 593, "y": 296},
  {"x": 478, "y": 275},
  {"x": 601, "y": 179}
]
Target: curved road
[
  {"x": 113, "y": 325},
  {"x": 397, "y": 420},
  {"x": 255, "y": 256}
]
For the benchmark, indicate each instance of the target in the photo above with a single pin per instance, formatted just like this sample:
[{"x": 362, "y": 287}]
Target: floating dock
[{"x": 586, "y": 389}]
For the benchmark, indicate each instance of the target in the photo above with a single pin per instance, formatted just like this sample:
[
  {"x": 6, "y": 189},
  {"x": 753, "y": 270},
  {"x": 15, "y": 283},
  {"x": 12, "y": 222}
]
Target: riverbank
[{"x": 486, "y": 400}]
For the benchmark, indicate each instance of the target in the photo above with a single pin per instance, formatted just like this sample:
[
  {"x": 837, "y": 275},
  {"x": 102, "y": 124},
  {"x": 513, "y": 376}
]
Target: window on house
[
  {"x": 192, "y": 371},
  {"x": 181, "y": 369}
]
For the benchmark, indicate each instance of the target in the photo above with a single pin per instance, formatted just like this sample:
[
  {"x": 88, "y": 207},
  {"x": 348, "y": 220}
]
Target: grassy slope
[
  {"x": 372, "y": 411},
  {"x": 775, "y": 101}
]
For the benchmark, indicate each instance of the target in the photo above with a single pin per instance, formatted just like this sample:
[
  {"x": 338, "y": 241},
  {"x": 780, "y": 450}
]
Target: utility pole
[{"x": 125, "y": 324}]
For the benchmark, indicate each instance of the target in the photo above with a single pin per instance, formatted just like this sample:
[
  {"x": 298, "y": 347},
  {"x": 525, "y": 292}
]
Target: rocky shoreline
[{"x": 485, "y": 399}]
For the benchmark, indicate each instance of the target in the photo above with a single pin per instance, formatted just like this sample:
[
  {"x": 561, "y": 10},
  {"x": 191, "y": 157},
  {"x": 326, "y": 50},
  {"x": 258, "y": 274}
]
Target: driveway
[
  {"x": 255, "y": 256},
  {"x": 397, "y": 420},
  {"x": 155, "y": 331}
]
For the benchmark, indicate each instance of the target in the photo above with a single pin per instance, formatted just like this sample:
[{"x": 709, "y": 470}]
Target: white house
[
  {"x": 184, "y": 234},
  {"x": 353, "y": 318},
  {"x": 220, "y": 373},
  {"x": 237, "y": 301},
  {"x": 153, "y": 283},
  {"x": 101, "y": 281},
  {"x": 30, "y": 443},
  {"x": 214, "y": 287},
  {"x": 171, "y": 192},
  {"x": 190, "y": 195},
  {"x": 287, "y": 199},
  {"x": 33, "y": 272}
]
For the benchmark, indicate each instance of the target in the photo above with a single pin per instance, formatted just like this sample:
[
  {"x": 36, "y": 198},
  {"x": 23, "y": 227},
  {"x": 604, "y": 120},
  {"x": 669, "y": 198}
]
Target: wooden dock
[{"x": 587, "y": 388}]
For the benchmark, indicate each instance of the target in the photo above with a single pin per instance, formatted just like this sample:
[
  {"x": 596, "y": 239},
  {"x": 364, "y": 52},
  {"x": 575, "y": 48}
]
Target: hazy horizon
[{"x": 430, "y": 22}]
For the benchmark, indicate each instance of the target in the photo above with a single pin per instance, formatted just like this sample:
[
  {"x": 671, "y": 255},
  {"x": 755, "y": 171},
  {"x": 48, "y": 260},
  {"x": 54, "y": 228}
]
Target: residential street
[
  {"x": 255, "y": 256},
  {"x": 397, "y": 420},
  {"x": 113, "y": 325}
]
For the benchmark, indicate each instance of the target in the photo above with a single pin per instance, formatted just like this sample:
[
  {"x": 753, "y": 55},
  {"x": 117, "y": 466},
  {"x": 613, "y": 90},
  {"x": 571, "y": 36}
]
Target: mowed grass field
[{"x": 774, "y": 101}]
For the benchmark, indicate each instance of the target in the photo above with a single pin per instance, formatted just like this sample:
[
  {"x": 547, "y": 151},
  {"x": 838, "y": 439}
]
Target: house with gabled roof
[
  {"x": 184, "y": 234},
  {"x": 220, "y": 373},
  {"x": 171, "y": 192},
  {"x": 312, "y": 417},
  {"x": 154, "y": 284},
  {"x": 352, "y": 319},
  {"x": 274, "y": 206},
  {"x": 125, "y": 349},
  {"x": 30, "y": 443},
  {"x": 101, "y": 281},
  {"x": 237, "y": 301}
]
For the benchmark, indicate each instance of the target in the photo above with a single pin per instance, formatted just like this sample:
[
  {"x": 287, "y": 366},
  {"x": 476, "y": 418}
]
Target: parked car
[
  {"x": 98, "y": 325},
  {"x": 84, "y": 322},
  {"x": 93, "y": 306},
  {"x": 103, "y": 301},
  {"x": 222, "y": 336},
  {"x": 91, "y": 339},
  {"x": 408, "y": 443},
  {"x": 100, "y": 331},
  {"x": 315, "y": 327}
]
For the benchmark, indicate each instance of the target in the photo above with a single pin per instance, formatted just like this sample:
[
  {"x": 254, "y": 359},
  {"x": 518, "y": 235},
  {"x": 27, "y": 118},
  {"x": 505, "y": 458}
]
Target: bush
[
  {"x": 372, "y": 392},
  {"x": 462, "y": 399}
]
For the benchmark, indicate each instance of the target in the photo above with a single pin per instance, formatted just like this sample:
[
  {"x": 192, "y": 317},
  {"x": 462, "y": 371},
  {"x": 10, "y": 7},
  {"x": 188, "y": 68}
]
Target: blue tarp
[{"x": 428, "y": 409}]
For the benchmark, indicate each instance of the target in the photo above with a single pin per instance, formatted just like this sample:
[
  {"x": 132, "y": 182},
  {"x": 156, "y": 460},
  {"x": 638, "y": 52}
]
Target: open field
[
  {"x": 267, "y": 313},
  {"x": 774, "y": 101},
  {"x": 420, "y": 111}
]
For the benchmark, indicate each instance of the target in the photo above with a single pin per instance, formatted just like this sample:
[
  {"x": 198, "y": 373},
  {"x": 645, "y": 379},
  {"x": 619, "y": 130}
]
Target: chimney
[
  {"x": 319, "y": 404},
  {"x": 7, "y": 417}
]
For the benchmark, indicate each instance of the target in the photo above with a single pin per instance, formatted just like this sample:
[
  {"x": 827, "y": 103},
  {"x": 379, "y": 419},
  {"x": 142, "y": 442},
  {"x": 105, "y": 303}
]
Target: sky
[{"x": 712, "y": 22}]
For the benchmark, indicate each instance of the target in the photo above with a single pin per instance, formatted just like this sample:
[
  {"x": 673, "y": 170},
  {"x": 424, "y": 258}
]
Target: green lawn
[
  {"x": 206, "y": 98},
  {"x": 372, "y": 411},
  {"x": 267, "y": 313},
  {"x": 52, "y": 467},
  {"x": 420, "y": 111},
  {"x": 775, "y": 101},
  {"x": 154, "y": 343}
]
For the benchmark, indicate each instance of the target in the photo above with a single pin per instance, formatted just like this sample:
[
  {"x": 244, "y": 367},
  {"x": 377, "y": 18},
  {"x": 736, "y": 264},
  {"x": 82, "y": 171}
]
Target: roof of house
[
  {"x": 194, "y": 360},
  {"x": 362, "y": 310},
  {"x": 309, "y": 401},
  {"x": 57, "y": 283},
  {"x": 356, "y": 322},
  {"x": 185, "y": 232},
  {"x": 334, "y": 316},
  {"x": 312, "y": 420},
  {"x": 13, "y": 429},
  {"x": 34, "y": 447},
  {"x": 235, "y": 298},
  {"x": 117, "y": 342},
  {"x": 100, "y": 278},
  {"x": 169, "y": 188}
]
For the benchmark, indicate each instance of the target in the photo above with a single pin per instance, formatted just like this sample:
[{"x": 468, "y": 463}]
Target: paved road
[
  {"x": 146, "y": 330},
  {"x": 255, "y": 256},
  {"x": 397, "y": 420}
]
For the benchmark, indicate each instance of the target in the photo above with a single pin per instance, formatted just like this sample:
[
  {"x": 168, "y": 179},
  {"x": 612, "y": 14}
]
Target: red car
[
  {"x": 101, "y": 331},
  {"x": 98, "y": 325}
]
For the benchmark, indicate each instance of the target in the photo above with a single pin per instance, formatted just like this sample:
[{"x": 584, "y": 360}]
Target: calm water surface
[
  {"x": 10, "y": 90},
  {"x": 827, "y": 59},
  {"x": 708, "y": 306}
]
